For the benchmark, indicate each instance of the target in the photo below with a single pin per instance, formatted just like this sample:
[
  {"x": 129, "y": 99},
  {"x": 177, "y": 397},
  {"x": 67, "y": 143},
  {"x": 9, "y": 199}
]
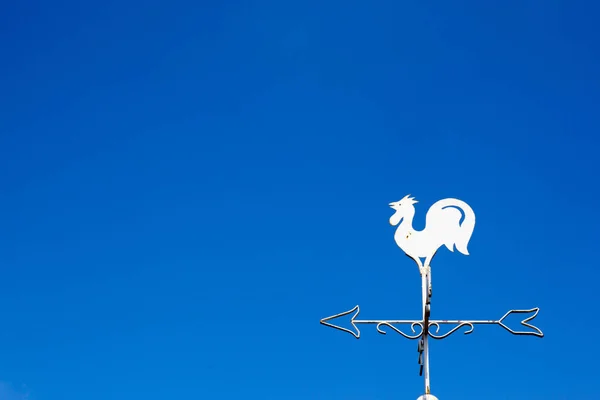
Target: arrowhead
[
  {"x": 537, "y": 332},
  {"x": 355, "y": 332}
]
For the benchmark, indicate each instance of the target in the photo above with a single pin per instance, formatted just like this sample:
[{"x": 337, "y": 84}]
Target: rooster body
[{"x": 443, "y": 227}]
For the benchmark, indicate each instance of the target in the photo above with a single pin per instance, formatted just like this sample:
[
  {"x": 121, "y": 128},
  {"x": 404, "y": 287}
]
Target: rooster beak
[{"x": 392, "y": 205}]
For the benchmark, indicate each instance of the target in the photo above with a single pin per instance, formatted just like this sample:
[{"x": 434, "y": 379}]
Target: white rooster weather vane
[{"x": 449, "y": 222}]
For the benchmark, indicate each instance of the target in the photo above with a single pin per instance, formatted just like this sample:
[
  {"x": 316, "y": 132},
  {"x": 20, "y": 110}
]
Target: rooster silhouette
[{"x": 442, "y": 227}]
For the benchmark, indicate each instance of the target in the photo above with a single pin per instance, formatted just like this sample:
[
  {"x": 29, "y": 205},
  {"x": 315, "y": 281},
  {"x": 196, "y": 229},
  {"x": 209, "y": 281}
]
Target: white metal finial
[{"x": 427, "y": 397}]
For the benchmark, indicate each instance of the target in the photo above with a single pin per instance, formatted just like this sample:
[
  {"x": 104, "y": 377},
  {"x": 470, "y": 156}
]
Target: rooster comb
[{"x": 409, "y": 199}]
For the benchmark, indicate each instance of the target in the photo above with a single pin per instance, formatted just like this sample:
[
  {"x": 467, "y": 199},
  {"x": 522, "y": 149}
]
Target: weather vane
[{"x": 443, "y": 227}]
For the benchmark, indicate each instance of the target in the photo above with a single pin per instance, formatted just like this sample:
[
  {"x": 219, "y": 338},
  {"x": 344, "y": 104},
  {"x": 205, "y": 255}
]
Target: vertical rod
[{"x": 426, "y": 282}]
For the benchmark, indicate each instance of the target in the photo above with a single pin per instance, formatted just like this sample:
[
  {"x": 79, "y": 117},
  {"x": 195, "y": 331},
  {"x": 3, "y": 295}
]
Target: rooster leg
[
  {"x": 427, "y": 266},
  {"x": 427, "y": 271},
  {"x": 419, "y": 263},
  {"x": 423, "y": 269}
]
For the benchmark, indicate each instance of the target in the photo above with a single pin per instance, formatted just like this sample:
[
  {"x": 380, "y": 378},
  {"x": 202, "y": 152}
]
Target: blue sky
[{"x": 188, "y": 188}]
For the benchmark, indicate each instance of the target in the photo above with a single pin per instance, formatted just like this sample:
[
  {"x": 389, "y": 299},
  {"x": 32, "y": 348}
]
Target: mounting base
[{"x": 427, "y": 397}]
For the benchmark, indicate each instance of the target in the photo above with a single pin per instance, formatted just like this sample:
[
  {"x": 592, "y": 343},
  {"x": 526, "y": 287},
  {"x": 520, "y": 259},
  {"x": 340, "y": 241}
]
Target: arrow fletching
[{"x": 536, "y": 331}]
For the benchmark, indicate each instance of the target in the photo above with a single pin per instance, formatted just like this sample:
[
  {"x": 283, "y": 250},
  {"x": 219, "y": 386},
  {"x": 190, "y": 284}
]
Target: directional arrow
[{"x": 419, "y": 324}]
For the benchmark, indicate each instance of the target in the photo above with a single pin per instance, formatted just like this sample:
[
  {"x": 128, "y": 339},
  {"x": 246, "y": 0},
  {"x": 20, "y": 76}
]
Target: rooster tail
[
  {"x": 464, "y": 230},
  {"x": 464, "y": 235}
]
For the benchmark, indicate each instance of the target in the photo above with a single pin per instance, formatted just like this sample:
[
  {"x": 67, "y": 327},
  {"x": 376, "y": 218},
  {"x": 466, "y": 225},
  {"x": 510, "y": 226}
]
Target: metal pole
[{"x": 426, "y": 282}]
